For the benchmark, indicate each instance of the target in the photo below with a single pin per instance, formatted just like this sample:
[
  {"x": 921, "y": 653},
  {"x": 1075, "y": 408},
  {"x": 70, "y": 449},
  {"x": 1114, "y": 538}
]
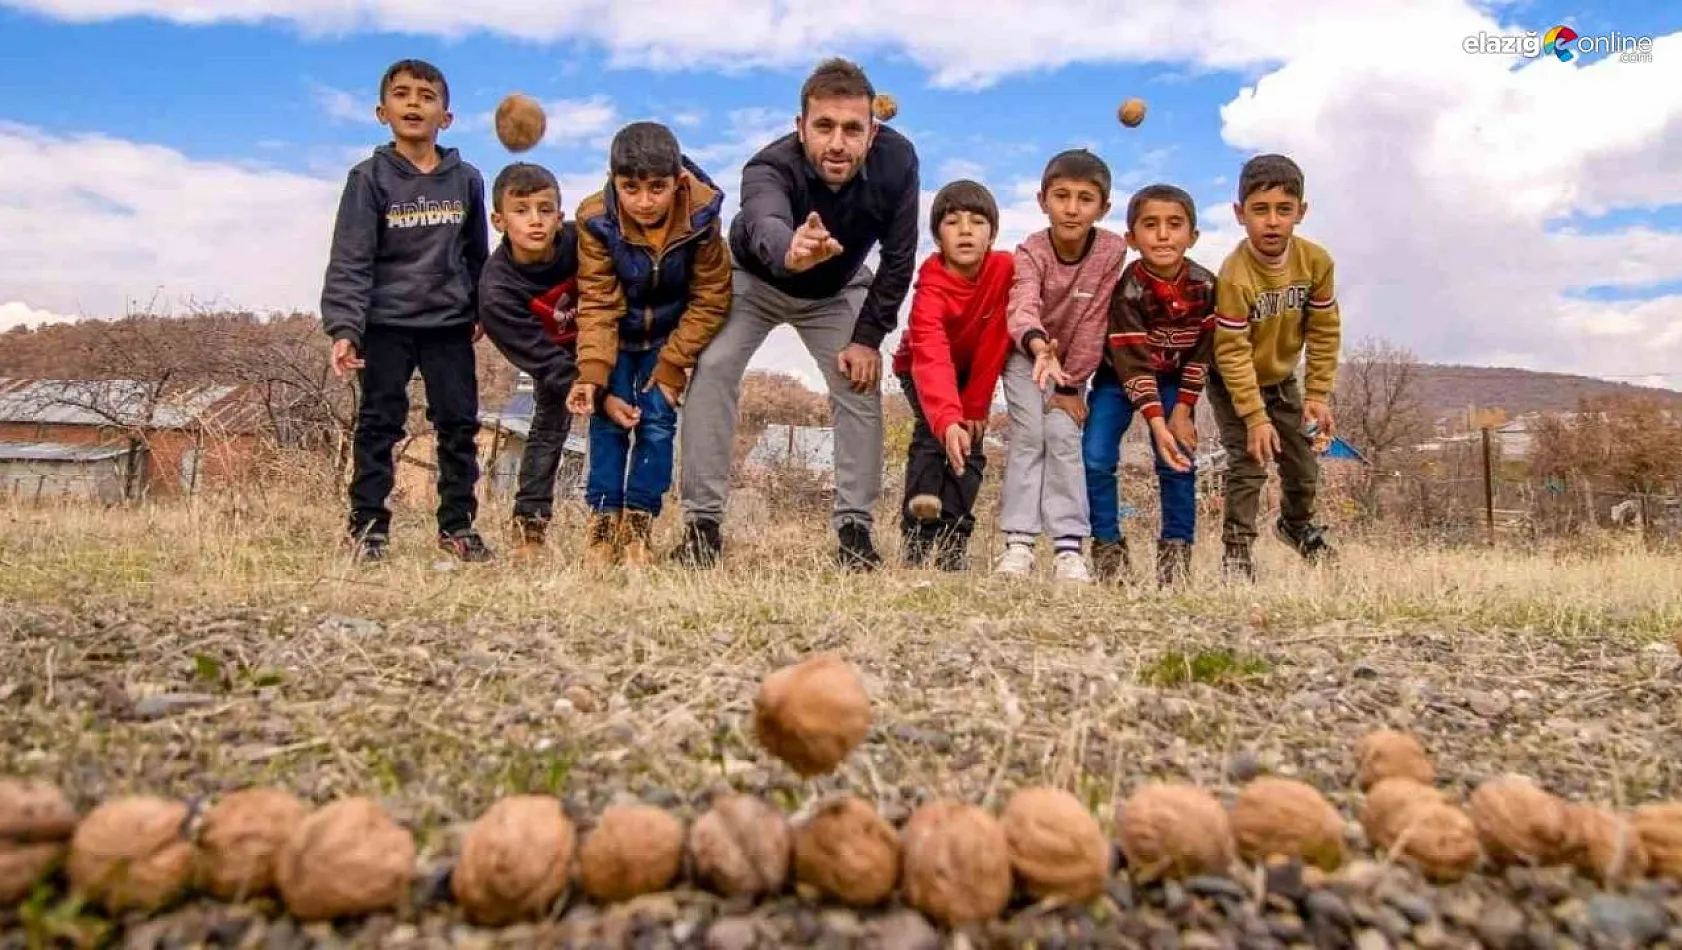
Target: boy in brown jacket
[{"x": 654, "y": 287}]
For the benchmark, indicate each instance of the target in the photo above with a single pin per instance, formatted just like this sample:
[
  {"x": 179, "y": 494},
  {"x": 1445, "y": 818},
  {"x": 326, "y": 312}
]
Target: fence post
[{"x": 1488, "y": 485}]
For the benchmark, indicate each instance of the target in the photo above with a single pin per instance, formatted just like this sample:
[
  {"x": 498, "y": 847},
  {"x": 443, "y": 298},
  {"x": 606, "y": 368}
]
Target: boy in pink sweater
[{"x": 1058, "y": 318}]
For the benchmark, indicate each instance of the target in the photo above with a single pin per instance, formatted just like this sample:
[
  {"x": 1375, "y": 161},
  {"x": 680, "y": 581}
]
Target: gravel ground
[{"x": 440, "y": 718}]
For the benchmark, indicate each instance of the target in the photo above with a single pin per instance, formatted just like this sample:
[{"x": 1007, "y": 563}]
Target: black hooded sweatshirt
[
  {"x": 530, "y": 312},
  {"x": 408, "y": 246}
]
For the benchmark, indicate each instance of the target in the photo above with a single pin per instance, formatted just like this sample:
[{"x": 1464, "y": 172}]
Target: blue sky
[{"x": 284, "y": 105}]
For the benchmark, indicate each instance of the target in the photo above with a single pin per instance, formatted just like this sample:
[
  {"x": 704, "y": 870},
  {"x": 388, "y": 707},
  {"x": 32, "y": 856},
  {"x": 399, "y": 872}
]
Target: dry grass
[{"x": 444, "y": 688}]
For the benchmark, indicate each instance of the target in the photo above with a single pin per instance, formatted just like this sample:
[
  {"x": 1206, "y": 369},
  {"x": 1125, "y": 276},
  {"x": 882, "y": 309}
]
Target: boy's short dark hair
[
  {"x": 1077, "y": 164},
  {"x": 645, "y": 150},
  {"x": 963, "y": 195},
  {"x": 420, "y": 69},
  {"x": 521, "y": 179},
  {"x": 1160, "y": 193},
  {"x": 836, "y": 78},
  {"x": 1270, "y": 171}
]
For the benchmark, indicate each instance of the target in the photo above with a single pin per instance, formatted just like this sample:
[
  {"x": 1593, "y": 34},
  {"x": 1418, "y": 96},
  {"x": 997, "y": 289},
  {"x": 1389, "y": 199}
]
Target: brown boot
[
  {"x": 602, "y": 540},
  {"x": 1173, "y": 563},
  {"x": 529, "y": 535},
  {"x": 635, "y": 530},
  {"x": 1110, "y": 560}
]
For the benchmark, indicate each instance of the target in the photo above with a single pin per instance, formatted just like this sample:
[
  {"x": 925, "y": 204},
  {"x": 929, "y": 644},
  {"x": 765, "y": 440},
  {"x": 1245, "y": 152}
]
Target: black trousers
[
  {"x": 928, "y": 473},
  {"x": 449, "y": 371},
  {"x": 545, "y": 446}
]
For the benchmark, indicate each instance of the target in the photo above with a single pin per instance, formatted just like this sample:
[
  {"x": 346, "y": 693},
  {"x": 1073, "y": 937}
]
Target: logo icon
[{"x": 1558, "y": 42}]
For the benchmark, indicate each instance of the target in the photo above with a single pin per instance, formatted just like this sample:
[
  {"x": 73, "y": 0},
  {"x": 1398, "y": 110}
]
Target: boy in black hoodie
[
  {"x": 401, "y": 293},
  {"x": 528, "y": 305}
]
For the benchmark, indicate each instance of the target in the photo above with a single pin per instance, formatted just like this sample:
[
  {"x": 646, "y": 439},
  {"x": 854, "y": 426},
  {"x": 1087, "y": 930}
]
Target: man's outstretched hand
[{"x": 811, "y": 246}]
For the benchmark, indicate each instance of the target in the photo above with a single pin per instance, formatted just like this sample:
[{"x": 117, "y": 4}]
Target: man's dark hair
[
  {"x": 836, "y": 78},
  {"x": 1077, "y": 164},
  {"x": 1270, "y": 171},
  {"x": 963, "y": 195},
  {"x": 521, "y": 179},
  {"x": 645, "y": 150},
  {"x": 420, "y": 69},
  {"x": 1160, "y": 193}
]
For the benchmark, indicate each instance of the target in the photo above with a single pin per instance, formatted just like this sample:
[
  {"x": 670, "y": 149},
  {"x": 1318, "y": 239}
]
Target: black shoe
[
  {"x": 370, "y": 548},
  {"x": 953, "y": 552},
  {"x": 1236, "y": 563},
  {"x": 465, "y": 545},
  {"x": 1173, "y": 562},
  {"x": 702, "y": 544},
  {"x": 915, "y": 546},
  {"x": 1307, "y": 540},
  {"x": 857, "y": 552}
]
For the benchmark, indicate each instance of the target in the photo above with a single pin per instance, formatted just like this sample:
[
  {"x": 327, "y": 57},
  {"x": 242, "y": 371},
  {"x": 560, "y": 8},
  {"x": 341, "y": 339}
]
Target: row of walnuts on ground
[{"x": 954, "y": 861}]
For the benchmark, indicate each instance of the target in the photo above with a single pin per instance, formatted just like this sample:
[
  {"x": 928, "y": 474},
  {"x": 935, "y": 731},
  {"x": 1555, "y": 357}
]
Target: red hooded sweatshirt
[{"x": 957, "y": 324}]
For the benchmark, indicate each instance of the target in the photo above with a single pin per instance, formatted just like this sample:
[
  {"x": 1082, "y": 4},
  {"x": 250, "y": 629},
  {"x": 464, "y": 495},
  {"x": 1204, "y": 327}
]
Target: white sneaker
[
  {"x": 1070, "y": 566},
  {"x": 1018, "y": 560}
]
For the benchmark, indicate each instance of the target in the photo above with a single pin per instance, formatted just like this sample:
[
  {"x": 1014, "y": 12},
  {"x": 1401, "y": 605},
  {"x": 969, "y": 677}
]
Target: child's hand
[
  {"x": 345, "y": 360},
  {"x": 1262, "y": 443},
  {"x": 1183, "y": 428},
  {"x": 1048, "y": 370},
  {"x": 1072, "y": 404},
  {"x": 582, "y": 400},
  {"x": 666, "y": 391},
  {"x": 1318, "y": 412},
  {"x": 621, "y": 413},
  {"x": 1167, "y": 447},
  {"x": 957, "y": 446}
]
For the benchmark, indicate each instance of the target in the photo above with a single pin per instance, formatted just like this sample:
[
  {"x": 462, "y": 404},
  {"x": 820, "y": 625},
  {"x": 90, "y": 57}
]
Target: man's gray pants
[
  {"x": 1045, "y": 479},
  {"x": 709, "y": 408}
]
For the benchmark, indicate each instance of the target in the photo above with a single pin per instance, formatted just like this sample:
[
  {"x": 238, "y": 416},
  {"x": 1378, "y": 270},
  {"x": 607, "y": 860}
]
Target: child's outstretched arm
[
  {"x": 601, "y": 302},
  {"x": 709, "y": 304}
]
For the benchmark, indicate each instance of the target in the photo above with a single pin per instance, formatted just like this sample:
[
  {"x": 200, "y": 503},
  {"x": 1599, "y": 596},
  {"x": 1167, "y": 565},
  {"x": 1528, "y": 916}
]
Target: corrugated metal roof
[
  {"x": 112, "y": 402},
  {"x": 58, "y": 452},
  {"x": 515, "y": 419}
]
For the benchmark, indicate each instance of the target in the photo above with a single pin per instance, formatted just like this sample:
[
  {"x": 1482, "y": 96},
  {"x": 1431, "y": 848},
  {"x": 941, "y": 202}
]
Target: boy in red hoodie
[{"x": 948, "y": 364}]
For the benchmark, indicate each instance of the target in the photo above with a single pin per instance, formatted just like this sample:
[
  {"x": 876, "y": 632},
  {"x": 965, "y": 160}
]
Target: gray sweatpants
[
  {"x": 1045, "y": 480},
  {"x": 709, "y": 409}
]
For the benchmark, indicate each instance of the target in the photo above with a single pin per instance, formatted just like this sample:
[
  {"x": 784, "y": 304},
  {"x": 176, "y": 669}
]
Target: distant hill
[{"x": 1447, "y": 389}]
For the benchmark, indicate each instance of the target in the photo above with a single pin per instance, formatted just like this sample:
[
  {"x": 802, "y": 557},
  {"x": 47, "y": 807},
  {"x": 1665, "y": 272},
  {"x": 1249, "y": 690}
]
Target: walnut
[
  {"x": 239, "y": 840},
  {"x": 1280, "y": 816},
  {"x": 741, "y": 847},
  {"x": 516, "y": 859},
  {"x": 1605, "y": 845},
  {"x": 1518, "y": 822},
  {"x": 1387, "y": 805},
  {"x": 1660, "y": 827},
  {"x": 1170, "y": 829},
  {"x": 884, "y": 106},
  {"x": 1438, "y": 839},
  {"x": 847, "y": 852},
  {"x": 633, "y": 850},
  {"x": 33, "y": 811},
  {"x": 1390, "y": 754},
  {"x": 132, "y": 853},
  {"x": 347, "y": 859},
  {"x": 520, "y": 122},
  {"x": 1056, "y": 846},
  {"x": 812, "y": 714},
  {"x": 957, "y": 863}
]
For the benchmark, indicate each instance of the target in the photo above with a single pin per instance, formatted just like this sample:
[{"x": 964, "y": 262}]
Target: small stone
[
  {"x": 731, "y": 933},
  {"x": 168, "y": 704},
  {"x": 1357, "y": 876},
  {"x": 1284, "y": 878},
  {"x": 1501, "y": 926},
  {"x": 1365, "y": 671},
  {"x": 1626, "y": 922},
  {"x": 581, "y": 699},
  {"x": 1206, "y": 885},
  {"x": 1430, "y": 936},
  {"x": 932, "y": 739},
  {"x": 1488, "y": 705},
  {"x": 1198, "y": 940},
  {"x": 1173, "y": 897},
  {"x": 1287, "y": 927},
  {"x": 1244, "y": 766},
  {"x": 1326, "y": 905},
  {"x": 906, "y": 930},
  {"x": 1370, "y": 939},
  {"x": 1121, "y": 891}
]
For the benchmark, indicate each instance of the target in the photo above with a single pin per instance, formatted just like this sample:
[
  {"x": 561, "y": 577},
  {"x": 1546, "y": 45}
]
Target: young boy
[
  {"x": 1276, "y": 302},
  {"x": 1162, "y": 328},
  {"x": 400, "y": 294},
  {"x": 1058, "y": 315},
  {"x": 948, "y": 364},
  {"x": 654, "y": 287},
  {"x": 528, "y": 305}
]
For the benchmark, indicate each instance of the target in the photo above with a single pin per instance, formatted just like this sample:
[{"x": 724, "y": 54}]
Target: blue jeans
[
  {"x": 1109, "y": 415},
  {"x": 647, "y": 449}
]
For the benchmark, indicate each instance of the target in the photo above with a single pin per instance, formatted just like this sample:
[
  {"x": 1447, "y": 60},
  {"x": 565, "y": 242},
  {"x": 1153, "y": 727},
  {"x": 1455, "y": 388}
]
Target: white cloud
[
  {"x": 342, "y": 106},
  {"x": 16, "y": 313}
]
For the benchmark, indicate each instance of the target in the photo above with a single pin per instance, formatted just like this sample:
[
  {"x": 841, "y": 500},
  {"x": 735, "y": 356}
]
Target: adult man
[{"x": 814, "y": 203}]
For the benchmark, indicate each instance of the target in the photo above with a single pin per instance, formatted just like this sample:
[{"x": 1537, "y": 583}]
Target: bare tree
[{"x": 1378, "y": 401}]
